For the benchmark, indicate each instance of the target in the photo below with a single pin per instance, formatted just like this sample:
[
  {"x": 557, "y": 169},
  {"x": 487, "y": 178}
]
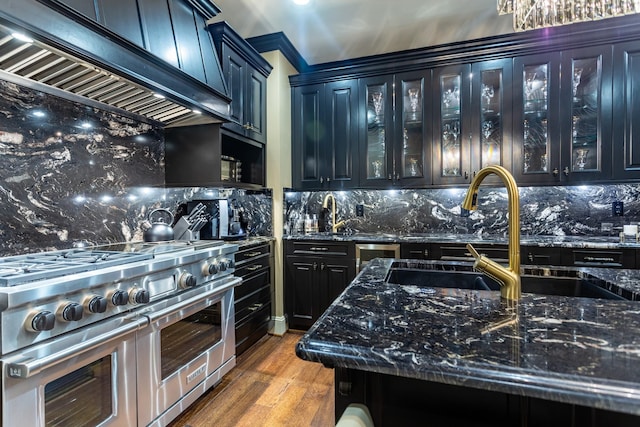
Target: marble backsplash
[
  {"x": 73, "y": 174},
  {"x": 560, "y": 211}
]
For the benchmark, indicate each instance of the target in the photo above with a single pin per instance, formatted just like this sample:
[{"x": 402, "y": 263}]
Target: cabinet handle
[
  {"x": 252, "y": 254},
  {"x": 319, "y": 248},
  {"x": 321, "y": 180},
  {"x": 466, "y": 175},
  {"x": 566, "y": 171},
  {"x": 322, "y": 266},
  {"x": 390, "y": 177},
  {"x": 315, "y": 266},
  {"x": 328, "y": 179},
  {"x": 556, "y": 172},
  {"x": 255, "y": 307},
  {"x": 249, "y": 126},
  {"x": 531, "y": 257},
  {"x": 255, "y": 267},
  {"x": 426, "y": 253}
]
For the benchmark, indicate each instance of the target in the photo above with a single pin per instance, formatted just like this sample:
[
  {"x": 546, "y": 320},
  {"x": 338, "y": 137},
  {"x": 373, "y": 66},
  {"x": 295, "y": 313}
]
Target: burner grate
[{"x": 22, "y": 269}]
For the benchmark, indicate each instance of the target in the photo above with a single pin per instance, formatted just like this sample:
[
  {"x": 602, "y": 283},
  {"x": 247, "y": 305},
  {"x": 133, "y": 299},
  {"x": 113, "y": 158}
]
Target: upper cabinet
[
  {"x": 325, "y": 134},
  {"x": 555, "y": 106},
  {"x": 563, "y": 116},
  {"x": 626, "y": 104},
  {"x": 393, "y": 130},
  {"x": 473, "y": 118},
  {"x": 245, "y": 72}
]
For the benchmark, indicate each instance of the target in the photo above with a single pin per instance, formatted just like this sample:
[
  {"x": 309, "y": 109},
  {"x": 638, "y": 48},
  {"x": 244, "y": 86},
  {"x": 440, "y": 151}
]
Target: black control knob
[
  {"x": 187, "y": 280},
  {"x": 70, "y": 312},
  {"x": 120, "y": 298},
  {"x": 139, "y": 296},
  {"x": 224, "y": 264},
  {"x": 97, "y": 304},
  {"x": 41, "y": 321},
  {"x": 213, "y": 268}
]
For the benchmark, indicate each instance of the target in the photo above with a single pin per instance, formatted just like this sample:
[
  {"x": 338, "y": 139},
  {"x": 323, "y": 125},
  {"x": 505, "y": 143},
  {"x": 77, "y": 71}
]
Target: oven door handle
[
  {"x": 30, "y": 366},
  {"x": 209, "y": 297}
]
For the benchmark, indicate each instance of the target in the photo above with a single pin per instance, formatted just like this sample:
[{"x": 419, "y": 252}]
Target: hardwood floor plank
[{"x": 270, "y": 386}]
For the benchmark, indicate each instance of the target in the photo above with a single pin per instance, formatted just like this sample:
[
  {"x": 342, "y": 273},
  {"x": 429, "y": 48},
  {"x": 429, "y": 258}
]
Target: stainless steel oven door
[
  {"x": 85, "y": 378},
  {"x": 187, "y": 348}
]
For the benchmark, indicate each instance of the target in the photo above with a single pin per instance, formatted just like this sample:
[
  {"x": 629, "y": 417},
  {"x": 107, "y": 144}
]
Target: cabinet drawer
[
  {"x": 337, "y": 249},
  {"x": 252, "y": 329},
  {"x": 498, "y": 253},
  {"x": 603, "y": 258},
  {"x": 247, "y": 269},
  {"x": 252, "y": 284},
  {"x": 415, "y": 251},
  {"x": 252, "y": 303},
  {"x": 251, "y": 253}
]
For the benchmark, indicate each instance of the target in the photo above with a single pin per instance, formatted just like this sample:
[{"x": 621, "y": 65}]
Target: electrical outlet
[
  {"x": 617, "y": 208},
  {"x": 359, "y": 210}
]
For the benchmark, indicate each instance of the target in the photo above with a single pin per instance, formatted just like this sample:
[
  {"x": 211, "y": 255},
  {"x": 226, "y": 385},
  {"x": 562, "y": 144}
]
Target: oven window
[
  {"x": 80, "y": 398},
  {"x": 188, "y": 338}
]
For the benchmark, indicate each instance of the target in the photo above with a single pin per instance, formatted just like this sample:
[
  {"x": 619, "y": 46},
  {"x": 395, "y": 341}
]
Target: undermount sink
[{"x": 546, "y": 285}]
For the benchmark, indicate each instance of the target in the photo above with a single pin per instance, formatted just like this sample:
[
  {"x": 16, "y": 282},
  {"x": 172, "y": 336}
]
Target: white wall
[{"x": 278, "y": 167}]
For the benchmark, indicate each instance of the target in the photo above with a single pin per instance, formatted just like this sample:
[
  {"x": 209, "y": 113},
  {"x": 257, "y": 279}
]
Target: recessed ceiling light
[
  {"x": 301, "y": 2},
  {"x": 22, "y": 37},
  {"x": 194, "y": 111},
  {"x": 158, "y": 95}
]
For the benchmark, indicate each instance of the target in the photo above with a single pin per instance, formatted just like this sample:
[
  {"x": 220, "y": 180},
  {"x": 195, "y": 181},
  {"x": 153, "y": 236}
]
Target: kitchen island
[{"x": 463, "y": 357}]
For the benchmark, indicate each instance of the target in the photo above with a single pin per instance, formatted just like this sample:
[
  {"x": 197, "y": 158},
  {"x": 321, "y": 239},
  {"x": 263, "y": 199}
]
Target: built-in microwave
[
  {"x": 365, "y": 252},
  {"x": 230, "y": 169}
]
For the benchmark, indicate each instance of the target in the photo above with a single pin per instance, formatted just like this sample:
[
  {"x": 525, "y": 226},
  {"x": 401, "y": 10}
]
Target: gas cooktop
[{"x": 20, "y": 269}]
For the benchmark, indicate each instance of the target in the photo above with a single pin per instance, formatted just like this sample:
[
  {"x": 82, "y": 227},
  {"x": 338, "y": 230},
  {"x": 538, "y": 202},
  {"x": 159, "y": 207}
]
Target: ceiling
[{"x": 334, "y": 30}]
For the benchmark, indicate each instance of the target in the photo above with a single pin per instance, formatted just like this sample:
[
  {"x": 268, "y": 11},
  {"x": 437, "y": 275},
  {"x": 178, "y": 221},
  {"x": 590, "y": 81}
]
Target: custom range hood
[{"x": 87, "y": 62}]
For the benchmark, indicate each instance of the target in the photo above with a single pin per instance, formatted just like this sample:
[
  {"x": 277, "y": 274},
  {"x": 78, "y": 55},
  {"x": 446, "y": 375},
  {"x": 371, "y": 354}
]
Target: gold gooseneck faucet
[
  {"x": 509, "y": 278},
  {"x": 334, "y": 225}
]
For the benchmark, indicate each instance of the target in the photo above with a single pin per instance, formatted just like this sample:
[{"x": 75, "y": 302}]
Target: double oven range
[{"x": 118, "y": 335}]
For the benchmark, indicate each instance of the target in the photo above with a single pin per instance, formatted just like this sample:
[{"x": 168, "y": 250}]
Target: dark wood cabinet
[
  {"x": 554, "y": 107},
  {"x": 253, "y": 297},
  {"x": 626, "y": 104},
  {"x": 473, "y": 120},
  {"x": 245, "y": 72},
  {"x": 563, "y": 120},
  {"x": 315, "y": 274},
  {"x": 325, "y": 136}
]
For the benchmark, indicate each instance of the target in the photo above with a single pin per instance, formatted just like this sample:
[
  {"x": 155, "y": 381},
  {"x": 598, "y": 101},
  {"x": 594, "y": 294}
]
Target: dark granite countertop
[
  {"x": 567, "y": 349},
  {"x": 252, "y": 241},
  {"x": 598, "y": 242}
]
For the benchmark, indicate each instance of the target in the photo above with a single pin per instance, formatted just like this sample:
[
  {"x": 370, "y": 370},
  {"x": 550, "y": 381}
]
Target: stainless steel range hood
[{"x": 38, "y": 62}]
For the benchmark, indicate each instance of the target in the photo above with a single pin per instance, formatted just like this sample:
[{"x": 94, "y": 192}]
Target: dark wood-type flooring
[{"x": 270, "y": 386}]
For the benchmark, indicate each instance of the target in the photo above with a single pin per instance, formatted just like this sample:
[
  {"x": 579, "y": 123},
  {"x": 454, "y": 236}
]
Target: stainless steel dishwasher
[{"x": 365, "y": 252}]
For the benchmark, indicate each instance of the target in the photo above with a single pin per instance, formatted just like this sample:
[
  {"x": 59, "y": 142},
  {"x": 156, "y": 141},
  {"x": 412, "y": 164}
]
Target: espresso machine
[{"x": 224, "y": 223}]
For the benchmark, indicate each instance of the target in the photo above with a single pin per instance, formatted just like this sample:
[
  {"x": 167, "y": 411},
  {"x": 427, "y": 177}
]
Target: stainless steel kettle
[{"x": 161, "y": 229}]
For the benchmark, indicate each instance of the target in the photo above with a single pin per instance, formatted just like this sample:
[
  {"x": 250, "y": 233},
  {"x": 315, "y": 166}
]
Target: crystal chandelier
[{"x": 530, "y": 14}]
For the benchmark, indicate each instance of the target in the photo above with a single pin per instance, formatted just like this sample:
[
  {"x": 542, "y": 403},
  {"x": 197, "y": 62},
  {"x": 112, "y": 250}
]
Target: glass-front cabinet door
[
  {"x": 491, "y": 123},
  {"x": 376, "y": 97},
  {"x": 536, "y": 142},
  {"x": 451, "y": 156},
  {"x": 586, "y": 87},
  {"x": 412, "y": 141}
]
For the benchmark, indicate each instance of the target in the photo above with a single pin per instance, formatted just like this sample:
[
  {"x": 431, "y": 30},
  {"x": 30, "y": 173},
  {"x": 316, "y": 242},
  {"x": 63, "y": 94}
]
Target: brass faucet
[
  {"x": 325, "y": 204},
  {"x": 509, "y": 278}
]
